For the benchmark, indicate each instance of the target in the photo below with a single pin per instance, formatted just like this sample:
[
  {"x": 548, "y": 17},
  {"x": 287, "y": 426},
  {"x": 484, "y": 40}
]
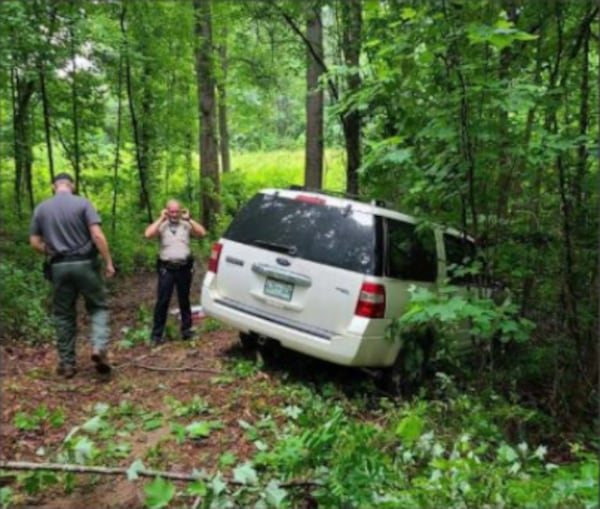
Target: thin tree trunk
[
  {"x": 505, "y": 161},
  {"x": 570, "y": 293},
  {"x": 453, "y": 64},
  {"x": 16, "y": 141},
  {"x": 115, "y": 192},
  {"x": 351, "y": 45},
  {"x": 189, "y": 179},
  {"x": 467, "y": 149},
  {"x": 529, "y": 280},
  {"x": 144, "y": 198},
  {"x": 209, "y": 162},
  {"x": 146, "y": 135},
  {"x": 223, "y": 120},
  {"x": 313, "y": 168},
  {"x": 584, "y": 112},
  {"x": 46, "y": 110},
  {"x": 29, "y": 161},
  {"x": 74, "y": 106},
  {"x": 21, "y": 99}
]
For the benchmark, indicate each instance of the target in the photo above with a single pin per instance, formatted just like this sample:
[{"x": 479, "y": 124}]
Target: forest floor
[{"x": 151, "y": 383}]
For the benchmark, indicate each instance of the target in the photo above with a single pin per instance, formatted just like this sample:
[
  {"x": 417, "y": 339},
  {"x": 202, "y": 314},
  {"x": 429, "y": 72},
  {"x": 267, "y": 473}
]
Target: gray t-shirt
[{"x": 63, "y": 222}]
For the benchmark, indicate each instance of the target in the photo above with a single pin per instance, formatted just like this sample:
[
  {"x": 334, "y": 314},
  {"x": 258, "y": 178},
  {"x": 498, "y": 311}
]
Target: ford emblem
[{"x": 283, "y": 261}]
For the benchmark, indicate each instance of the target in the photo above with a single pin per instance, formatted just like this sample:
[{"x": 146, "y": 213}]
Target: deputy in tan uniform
[{"x": 175, "y": 266}]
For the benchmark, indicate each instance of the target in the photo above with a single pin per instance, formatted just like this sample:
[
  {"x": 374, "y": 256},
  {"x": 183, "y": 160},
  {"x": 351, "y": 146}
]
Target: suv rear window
[{"x": 340, "y": 237}]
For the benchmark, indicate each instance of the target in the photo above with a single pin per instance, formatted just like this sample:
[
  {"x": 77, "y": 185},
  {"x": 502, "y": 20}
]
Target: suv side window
[
  {"x": 460, "y": 253},
  {"x": 411, "y": 252}
]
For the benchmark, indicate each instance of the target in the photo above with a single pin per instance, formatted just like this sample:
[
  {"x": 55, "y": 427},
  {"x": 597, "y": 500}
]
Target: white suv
[{"x": 324, "y": 275}]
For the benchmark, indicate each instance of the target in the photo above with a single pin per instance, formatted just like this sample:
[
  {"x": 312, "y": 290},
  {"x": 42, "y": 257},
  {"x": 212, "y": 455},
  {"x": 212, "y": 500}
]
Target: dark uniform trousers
[
  {"x": 69, "y": 280},
  {"x": 170, "y": 276}
]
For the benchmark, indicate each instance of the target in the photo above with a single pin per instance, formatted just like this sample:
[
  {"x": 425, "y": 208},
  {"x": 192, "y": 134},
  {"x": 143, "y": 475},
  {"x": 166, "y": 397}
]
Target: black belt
[
  {"x": 176, "y": 264},
  {"x": 71, "y": 258}
]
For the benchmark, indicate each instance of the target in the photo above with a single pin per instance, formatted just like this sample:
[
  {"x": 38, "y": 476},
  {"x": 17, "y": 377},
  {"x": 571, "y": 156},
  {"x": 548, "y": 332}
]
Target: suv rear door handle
[{"x": 281, "y": 274}]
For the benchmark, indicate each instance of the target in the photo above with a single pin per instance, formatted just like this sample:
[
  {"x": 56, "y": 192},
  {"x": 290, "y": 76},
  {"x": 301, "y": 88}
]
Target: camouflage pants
[{"x": 69, "y": 280}]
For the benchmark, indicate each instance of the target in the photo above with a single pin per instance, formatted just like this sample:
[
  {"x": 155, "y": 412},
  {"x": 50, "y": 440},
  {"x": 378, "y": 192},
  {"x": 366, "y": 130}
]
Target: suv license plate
[{"x": 278, "y": 289}]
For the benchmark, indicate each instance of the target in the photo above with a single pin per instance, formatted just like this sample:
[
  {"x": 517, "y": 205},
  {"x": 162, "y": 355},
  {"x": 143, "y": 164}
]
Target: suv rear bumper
[{"x": 350, "y": 349}]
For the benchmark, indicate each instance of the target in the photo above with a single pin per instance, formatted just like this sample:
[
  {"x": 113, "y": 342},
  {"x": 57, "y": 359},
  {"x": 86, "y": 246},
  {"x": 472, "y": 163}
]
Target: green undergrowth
[{"x": 313, "y": 443}]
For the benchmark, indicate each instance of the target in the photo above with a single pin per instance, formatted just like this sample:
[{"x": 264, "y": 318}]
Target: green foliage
[
  {"x": 133, "y": 336},
  {"x": 36, "y": 482},
  {"x": 196, "y": 406},
  {"x": 6, "y": 496},
  {"x": 450, "y": 453},
  {"x": 210, "y": 325},
  {"x": 38, "y": 418},
  {"x": 452, "y": 307},
  {"x": 24, "y": 303},
  {"x": 455, "y": 450},
  {"x": 159, "y": 493}
]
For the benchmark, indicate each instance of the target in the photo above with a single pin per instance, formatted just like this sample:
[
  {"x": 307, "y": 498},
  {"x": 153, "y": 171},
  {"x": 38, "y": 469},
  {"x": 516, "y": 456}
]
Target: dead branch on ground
[
  {"x": 183, "y": 368},
  {"x": 143, "y": 472}
]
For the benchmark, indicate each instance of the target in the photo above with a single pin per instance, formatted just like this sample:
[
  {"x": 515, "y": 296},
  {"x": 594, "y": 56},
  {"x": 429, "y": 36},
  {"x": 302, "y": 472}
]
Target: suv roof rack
[{"x": 339, "y": 194}]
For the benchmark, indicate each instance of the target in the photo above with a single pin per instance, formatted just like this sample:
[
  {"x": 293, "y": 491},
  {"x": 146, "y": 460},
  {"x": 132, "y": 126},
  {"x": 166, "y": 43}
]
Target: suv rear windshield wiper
[{"x": 280, "y": 248}]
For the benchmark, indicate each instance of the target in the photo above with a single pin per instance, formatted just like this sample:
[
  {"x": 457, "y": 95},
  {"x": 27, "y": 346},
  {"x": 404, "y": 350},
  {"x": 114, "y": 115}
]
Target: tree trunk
[
  {"x": 505, "y": 161},
  {"x": 16, "y": 140},
  {"x": 209, "y": 162},
  {"x": 142, "y": 171},
  {"x": 351, "y": 45},
  {"x": 21, "y": 97},
  {"x": 145, "y": 129},
  {"x": 46, "y": 110},
  {"x": 115, "y": 190},
  {"x": 75, "y": 109},
  {"x": 29, "y": 161},
  {"x": 313, "y": 169},
  {"x": 189, "y": 156},
  {"x": 223, "y": 122}
]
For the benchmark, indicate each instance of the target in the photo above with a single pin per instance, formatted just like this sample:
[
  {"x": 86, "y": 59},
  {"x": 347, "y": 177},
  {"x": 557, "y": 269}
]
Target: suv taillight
[
  {"x": 213, "y": 261},
  {"x": 371, "y": 301}
]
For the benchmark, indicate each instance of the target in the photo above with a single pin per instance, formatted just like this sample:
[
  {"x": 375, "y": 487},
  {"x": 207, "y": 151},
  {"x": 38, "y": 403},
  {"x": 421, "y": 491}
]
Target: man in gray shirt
[{"x": 66, "y": 228}]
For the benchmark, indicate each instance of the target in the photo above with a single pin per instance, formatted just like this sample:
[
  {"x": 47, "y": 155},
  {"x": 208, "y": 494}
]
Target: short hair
[{"x": 62, "y": 176}]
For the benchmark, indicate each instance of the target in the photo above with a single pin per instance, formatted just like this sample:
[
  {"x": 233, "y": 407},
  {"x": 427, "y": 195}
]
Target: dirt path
[{"x": 143, "y": 377}]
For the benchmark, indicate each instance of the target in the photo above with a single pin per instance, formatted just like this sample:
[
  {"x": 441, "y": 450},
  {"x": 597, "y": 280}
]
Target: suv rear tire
[{"x": 248, "y": 341}]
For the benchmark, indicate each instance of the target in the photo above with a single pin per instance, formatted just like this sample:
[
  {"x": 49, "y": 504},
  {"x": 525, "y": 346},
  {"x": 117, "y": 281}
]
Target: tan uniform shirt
[{"x": 174, "y": 241}]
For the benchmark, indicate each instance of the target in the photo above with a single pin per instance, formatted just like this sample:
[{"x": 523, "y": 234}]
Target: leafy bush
[
  {"x": 446, "y": 453},
  {"x": 24, "y": 303},
  {"x": 448, "y": 311}
]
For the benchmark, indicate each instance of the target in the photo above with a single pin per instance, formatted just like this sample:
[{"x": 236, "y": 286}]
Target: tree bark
[
  {"x": 22, "y": 92},
  {"x": 313, "y": 169},
  {"x": 16, "y": 139},
  {"x": 351, "y": 46},
  {"x": 115, "y": 190},
  {"x": 49, "y": 17},
  {"x": 209, "y": 162},
  {"x": 46, "y": 110},
  {"x": 505, "y": 160},
  {"x": 223, "y": 120},
  {"x": 74, "y": 107},
  {"x": 142, "y": 171}
]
